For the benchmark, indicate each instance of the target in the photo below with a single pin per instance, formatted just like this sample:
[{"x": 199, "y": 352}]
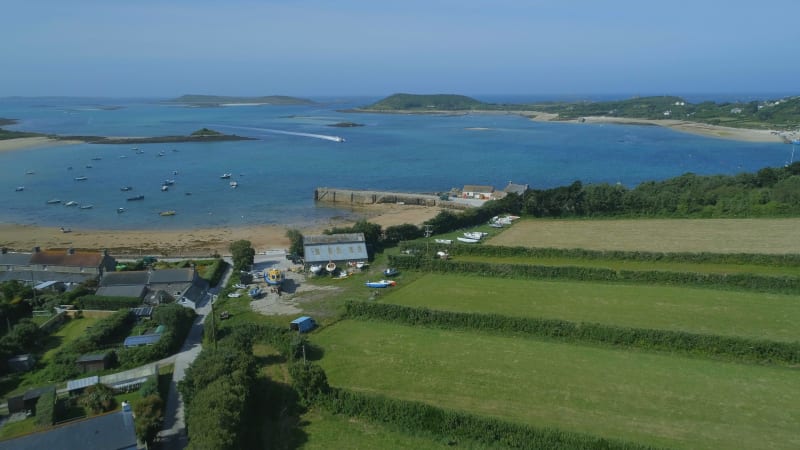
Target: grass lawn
[
  {"x": 618, "y": 264},
  {"x": 708, "y": 311},
  {"x": 777, "y": 236},
  {"x": 71, "y": 330},
  {"x": 655, "y": 399}
]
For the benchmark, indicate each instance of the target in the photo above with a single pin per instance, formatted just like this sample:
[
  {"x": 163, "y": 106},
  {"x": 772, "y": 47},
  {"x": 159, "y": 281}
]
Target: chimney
[
  {"x": 3, "y": 250},
  {"x": 71, "y": 251},
  {"x": 105, "y": 252},
  {"x": 37, "y": 249}
]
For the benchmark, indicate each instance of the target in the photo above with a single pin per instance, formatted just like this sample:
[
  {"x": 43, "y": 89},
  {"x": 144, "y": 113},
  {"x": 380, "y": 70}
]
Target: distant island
[
  {"x": 201, "y": 135},
  {"x": 346, "y": 124},
  {"x": 220, "y": 100},
  {"x": 776, "y": 114}
]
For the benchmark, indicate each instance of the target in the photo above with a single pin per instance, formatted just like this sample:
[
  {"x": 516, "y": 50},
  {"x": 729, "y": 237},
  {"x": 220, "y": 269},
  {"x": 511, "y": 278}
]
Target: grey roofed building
[
  {"x": 172, "y": 276},
  {"x": 514, "y": 188},
  {"x": 124, "y": 278},
  {"x": 12, "y": 260},
  {"x": 136, "y": 291},
  {"x": 112, "y": 431},
  {"x": 334, "y": 247}
]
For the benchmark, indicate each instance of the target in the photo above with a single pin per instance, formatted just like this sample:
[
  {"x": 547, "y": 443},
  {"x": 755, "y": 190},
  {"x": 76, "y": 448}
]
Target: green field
[
  {"x": 619, "y": 264},
  {"x": 661, "y": 400},
  {"x": 707, "y": 311}
]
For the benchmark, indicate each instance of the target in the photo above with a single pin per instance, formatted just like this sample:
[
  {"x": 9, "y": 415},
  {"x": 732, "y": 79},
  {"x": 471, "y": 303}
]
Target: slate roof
[
  {"x": 171, "y": 276},
  {"x": 15, "y": 259},
  {"x": 62, "y": 258},
  {"x": 112, "y": 431},
  {"x": 333, "y": 238},
  {"x": 124, "y": 278},
  {"x": 136, "y": 291},
  {"x": 92, "y": 357},
  {"x": 516, "y": 188}
]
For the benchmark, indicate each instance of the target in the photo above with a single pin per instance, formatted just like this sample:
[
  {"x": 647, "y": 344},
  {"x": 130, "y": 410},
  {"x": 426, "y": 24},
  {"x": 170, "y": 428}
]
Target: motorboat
[
  {"x": 390, "y": 272},
  {"x": 120, "y": 210},
  {"x": 20, "y": 188},
  {"x": 54, "y": 201},
  {"x": 137, "y": 197},
  {"x": 477, "y": 235},
  {"x": 444, "y": 241},
  {"x": 226, "y": 175},
  {"x": 164, "y": 188},
  {"x": 30, "y": 172},
  {"x": 71, "y": 203},
  {"x": 86, "y": 207},
  {"x": 338, "y": 139},
  {"x": 126, "y": 188},
  {"x": 274, "y": 277},
  {"x": 81, "y": 178},
  {"x": 468, "y": 240},
  {"x": 168, "y": 182},
  {"x": 380, "y": 284},
  {"x": 234, "y": 184},
  {"x": 167, "y": 213}
]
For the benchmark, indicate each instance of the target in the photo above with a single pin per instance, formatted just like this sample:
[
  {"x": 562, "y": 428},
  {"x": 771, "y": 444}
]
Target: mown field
[
  {"x": 707, "y": 311},
  {"x": 661, "y": 400},
  {"x": 773, "y": 236}
]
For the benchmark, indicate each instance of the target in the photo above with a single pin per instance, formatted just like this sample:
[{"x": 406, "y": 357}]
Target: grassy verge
[
  {"x": 659, "y": 400},
  {"x": 742, "y": 314}
]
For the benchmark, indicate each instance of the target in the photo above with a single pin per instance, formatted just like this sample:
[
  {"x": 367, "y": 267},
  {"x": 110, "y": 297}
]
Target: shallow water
[{"x": 278, "y": 172}]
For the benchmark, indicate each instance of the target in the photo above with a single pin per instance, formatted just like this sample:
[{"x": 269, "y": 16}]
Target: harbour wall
[{"x": 353, "y": 197}]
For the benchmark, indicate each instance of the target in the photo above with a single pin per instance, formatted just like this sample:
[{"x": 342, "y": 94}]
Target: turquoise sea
[{"x": 278, "y": 172}]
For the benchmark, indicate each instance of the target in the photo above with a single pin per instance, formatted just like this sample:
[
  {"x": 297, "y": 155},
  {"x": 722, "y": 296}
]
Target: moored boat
[
  {"x": 164, "y": 188},
  {"x": 138, "y": 197},
  {"x": 20, "y": 188},
  {"x": 167, "y": 213},
  {"x": 234, "y": 184},
  {"x": 120, "y": 210},
  {"x": 86, "y": 207},
  {"x": 53, "y": 201},
  {"x": 126, "y": 188},
  {"x": 81, "y": 178},
  {"x": 71, "y": 203},
  {"x": 226, "y": 175},
  {"x": 274, "y": 277}
]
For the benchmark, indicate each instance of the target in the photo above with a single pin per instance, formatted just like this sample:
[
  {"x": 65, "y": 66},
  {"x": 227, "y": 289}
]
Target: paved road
[{"x": 174, "y": 436}]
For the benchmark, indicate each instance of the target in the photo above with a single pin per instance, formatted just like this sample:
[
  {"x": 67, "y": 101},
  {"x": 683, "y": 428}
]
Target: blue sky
[{"x": 346, "y": 47}]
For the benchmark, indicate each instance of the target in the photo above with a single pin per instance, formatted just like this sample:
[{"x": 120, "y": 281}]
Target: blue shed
[{"x": 303, "y": 324}]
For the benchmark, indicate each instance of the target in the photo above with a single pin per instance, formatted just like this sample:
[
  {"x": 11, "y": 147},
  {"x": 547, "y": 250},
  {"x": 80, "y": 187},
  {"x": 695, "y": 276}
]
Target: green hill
[
  {"x": 446, "y": 102},
  {"x": 217, "y": 100}
]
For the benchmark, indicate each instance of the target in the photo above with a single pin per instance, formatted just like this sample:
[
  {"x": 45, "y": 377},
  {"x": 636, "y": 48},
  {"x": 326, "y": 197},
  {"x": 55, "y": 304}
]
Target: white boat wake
[{"x": 291, "y": 133}]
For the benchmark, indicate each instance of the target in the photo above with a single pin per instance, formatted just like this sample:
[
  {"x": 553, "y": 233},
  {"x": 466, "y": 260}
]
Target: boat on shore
[
  {"x": 477, "y": 235},
  {"x": 467, "y": 240},
  {"x": 274, "y": 277},
  {"x": 137, "y": 197},
  {"x": 390, "y": 272},
  {"x": 167, "y": 213},
  {"x": 444, "y": 241},
  {"x": 380, "y": 284},
  {"x": 315, "y": 269}
]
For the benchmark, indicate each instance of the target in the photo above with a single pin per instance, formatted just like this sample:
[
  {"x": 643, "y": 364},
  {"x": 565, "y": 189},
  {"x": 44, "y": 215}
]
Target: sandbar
[
  {"x": 193, "y": 242},
  {"x": 7, "y": 145}
]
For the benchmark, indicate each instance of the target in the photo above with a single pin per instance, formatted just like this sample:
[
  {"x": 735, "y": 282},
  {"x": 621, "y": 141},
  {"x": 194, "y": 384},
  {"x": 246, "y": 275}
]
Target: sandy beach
[
  {"x": 193, "y": 242},
  {"x": 701, "y": 129}
]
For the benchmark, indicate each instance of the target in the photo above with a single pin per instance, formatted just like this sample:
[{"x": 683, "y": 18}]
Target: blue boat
[
  {"x": 273, "y": 277},
  {"x": 380, "y": 284}
]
